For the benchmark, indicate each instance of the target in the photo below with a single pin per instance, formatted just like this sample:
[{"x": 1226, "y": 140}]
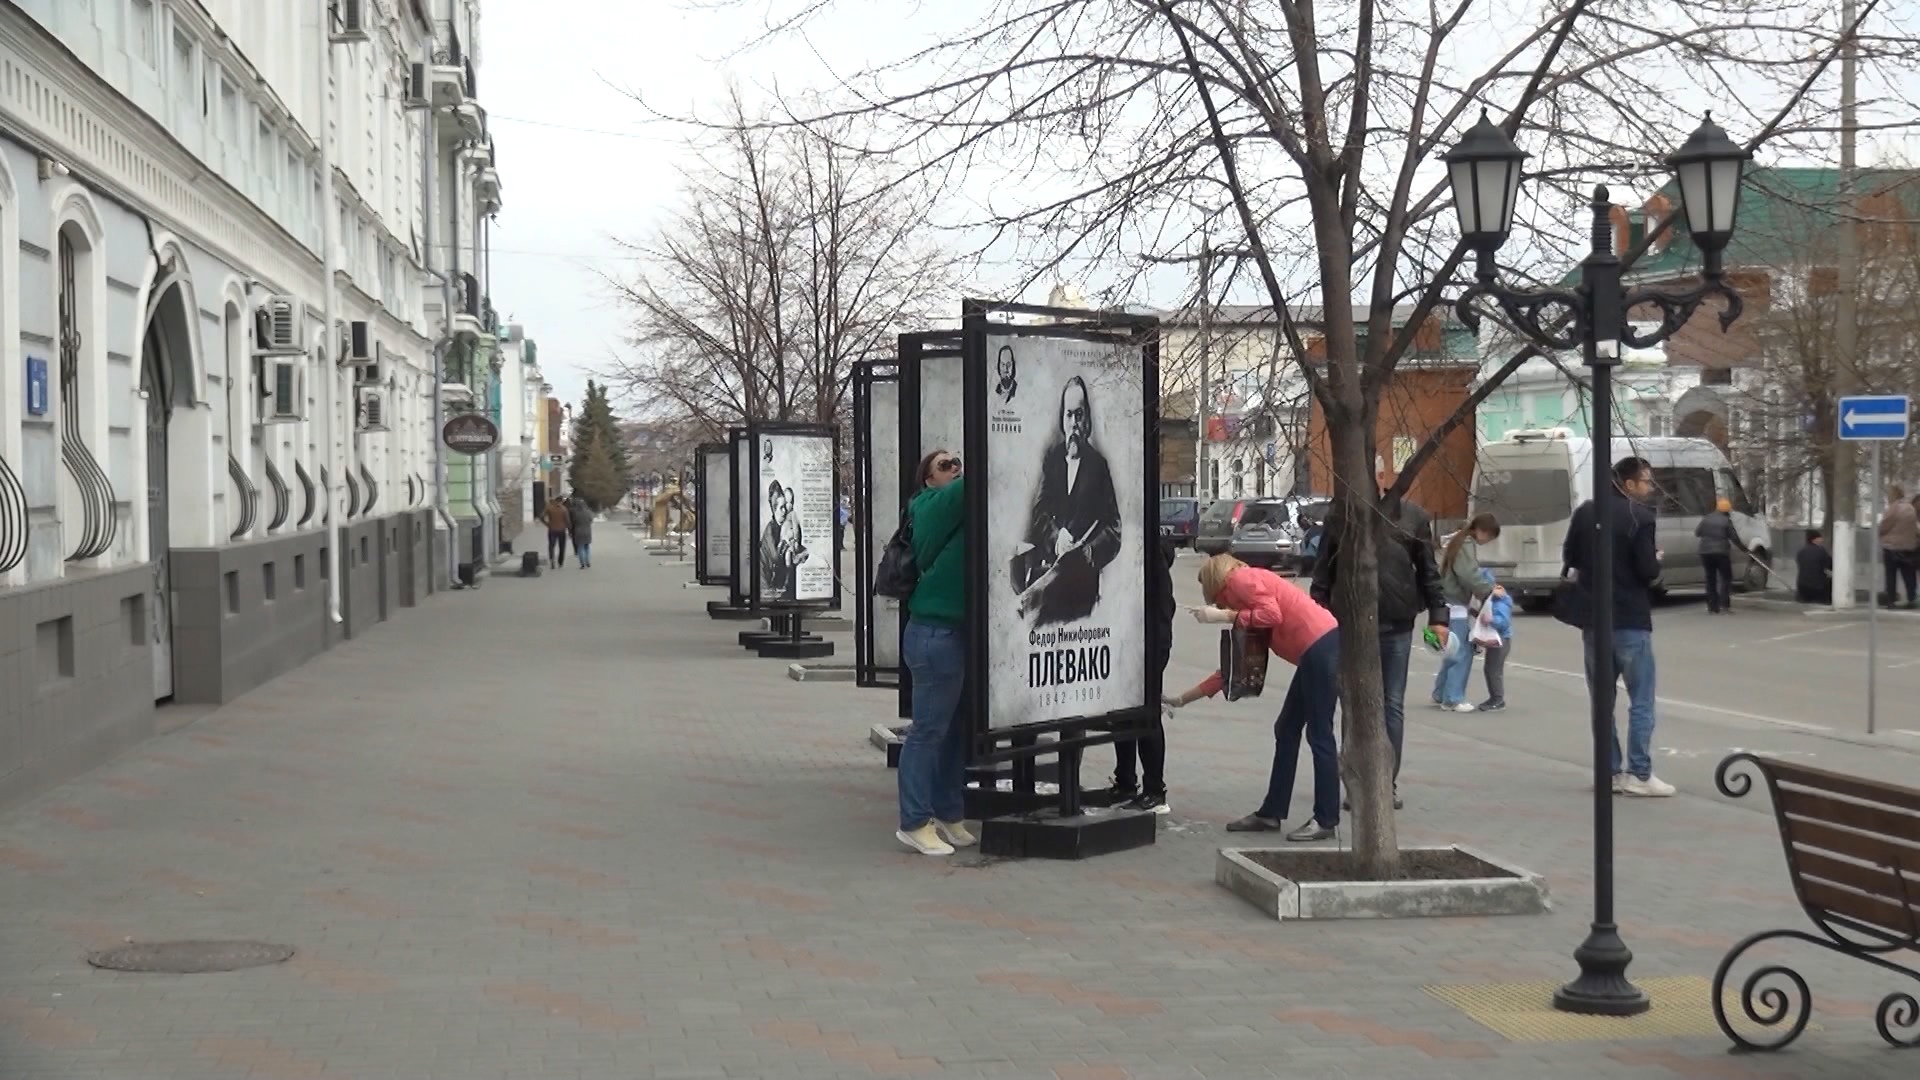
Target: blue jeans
[
  {"x": 1633, "y": 664},
  {"x": 933, "y": 762},
  {"x": 1396, "y": 647},
  {"x": 583, "y": 550},
  {"x": 1456, "y": 667},
  {"x": 1308, "y": 709}
]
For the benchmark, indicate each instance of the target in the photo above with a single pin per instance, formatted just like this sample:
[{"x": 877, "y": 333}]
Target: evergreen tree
[{"x": 594, "y": 426}]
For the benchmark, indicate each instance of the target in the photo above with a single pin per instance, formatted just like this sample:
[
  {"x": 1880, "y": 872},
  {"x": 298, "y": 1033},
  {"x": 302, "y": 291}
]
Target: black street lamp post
[{"x": 1484, "y": 171}]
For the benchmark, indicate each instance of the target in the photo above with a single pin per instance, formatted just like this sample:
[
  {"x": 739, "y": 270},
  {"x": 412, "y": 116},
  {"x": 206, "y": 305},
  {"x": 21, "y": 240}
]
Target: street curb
[
  {"x": 820, "y": 672},
  {"x": 1281, "y": 898}
]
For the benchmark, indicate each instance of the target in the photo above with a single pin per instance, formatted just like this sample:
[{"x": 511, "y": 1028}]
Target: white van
[{"x": 1532, "y": 480}]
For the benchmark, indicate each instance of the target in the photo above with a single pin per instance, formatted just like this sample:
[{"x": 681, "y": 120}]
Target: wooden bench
[{"x": 1853, "y": 854}]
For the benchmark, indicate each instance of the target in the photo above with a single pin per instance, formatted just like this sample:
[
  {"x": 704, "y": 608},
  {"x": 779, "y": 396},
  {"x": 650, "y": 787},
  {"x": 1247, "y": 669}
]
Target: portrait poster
[
  {"x": 883, "y": 516},
  {"x": 740, "y": 496},
  {"x": 943, "y": 409},
  {"x": 794, "y": 548},
  {"x": 1066, "y": 619},
  {"x": 714, "y": 514}
]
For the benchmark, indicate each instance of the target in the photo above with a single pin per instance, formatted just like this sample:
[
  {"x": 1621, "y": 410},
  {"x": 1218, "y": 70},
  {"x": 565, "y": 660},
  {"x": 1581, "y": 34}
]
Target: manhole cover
[{"x": 189, "y": 957}]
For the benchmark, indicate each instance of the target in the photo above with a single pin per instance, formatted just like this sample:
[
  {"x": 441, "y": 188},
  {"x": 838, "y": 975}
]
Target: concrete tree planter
[{"x": 1297, "y": 882}]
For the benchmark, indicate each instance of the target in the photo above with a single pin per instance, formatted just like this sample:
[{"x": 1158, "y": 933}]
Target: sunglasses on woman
[{"x": 951, "y": 464}]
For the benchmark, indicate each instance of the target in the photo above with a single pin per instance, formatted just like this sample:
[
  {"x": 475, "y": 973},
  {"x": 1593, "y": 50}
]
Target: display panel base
[
  {"x": 720, "y": 609},
  {"x": 788, "y": 647},
  {"x": 1044, "y": 834},
  {"x": 753, "y": 639},
  {"x": 889, "y": 738}
]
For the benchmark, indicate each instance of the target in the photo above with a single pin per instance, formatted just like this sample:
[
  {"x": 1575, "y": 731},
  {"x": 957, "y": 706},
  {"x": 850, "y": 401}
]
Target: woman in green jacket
[
  {"x": 933, "y": 762},
  {"x": 1465, "y": 590}
]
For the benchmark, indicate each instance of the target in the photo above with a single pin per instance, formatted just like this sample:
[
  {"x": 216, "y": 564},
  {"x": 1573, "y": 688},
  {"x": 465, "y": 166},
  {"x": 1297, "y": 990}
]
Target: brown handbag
[{"x": 1244, "y": 654}]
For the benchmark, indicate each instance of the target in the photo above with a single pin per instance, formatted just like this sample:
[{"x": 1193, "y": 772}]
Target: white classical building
[{"x": 228, "y": 273}]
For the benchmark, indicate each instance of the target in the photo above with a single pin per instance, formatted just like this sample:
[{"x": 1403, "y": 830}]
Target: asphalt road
[{"x": 1767, "y": 678}]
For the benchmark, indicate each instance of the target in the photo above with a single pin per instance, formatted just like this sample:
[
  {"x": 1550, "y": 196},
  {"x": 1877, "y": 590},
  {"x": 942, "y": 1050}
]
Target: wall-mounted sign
[
  {"x": 554, "y": 461},
  {"x": 36, "y": 386},
  {"x": 470, "y": 433}
]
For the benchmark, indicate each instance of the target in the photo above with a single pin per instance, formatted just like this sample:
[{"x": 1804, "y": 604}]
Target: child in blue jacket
[{"x": 1495, "y": 664}]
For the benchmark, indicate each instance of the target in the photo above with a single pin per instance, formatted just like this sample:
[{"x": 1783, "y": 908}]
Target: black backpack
[{"x": 899, "y": 573}]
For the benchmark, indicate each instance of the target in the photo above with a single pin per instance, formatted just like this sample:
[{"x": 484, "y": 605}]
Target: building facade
[{"x": 220, "y": 325}]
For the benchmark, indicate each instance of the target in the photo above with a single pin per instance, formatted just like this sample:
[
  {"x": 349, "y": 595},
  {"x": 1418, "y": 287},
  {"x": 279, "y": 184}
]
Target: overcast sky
[{"x": 583, "y": 163}]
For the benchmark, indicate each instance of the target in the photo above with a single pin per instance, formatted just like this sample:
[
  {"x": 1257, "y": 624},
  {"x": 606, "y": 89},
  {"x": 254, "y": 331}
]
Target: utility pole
[
  {"x": 1846, "y": 375},
  {"x": 1201, "y": 474}
]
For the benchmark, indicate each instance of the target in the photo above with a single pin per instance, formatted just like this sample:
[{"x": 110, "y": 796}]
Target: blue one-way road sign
[{"x": 1874, "y": 417}]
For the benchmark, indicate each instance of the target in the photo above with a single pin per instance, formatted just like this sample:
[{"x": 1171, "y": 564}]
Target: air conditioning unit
[
  {"x": 417, "y": 96},
  {"x": 349, "y": 22},
  {"x": 369, "y": 412},
  {"x": 278, "y": 327},
  {"x": 356, "y": 345},
  {"x": 369, "y": 374},
  {"x": 281, "y": 394}
]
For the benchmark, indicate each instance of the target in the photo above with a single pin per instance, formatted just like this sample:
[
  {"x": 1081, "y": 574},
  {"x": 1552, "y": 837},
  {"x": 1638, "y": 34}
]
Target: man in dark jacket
[
  {"x": 1814, "y": 582},
  {"x": 1409, "y": 583},
  {"x": 1151, "y": 748},
  {"x": 1718, "y": 541},
  {"x": 1636, "y": 567},
  {"x": 580, "y": 525}
]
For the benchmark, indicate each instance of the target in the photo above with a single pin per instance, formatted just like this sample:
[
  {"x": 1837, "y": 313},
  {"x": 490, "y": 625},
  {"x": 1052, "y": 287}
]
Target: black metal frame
[
  {"x": 867, "y": 673},
  {"x": 1771, "y": 1006},
  {"x": 912, "y": 350},
  {"x": 1593, "y": 318},
  {"x": 737, "y": 444},
  {"x": 702, "y": 506},
  {"x": 754, "y": 430},
  {"x": 1070, "y": 735}
]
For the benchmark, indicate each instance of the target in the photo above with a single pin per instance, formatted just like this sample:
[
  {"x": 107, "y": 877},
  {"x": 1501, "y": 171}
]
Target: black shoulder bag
[{"x": 899, "y": 573}]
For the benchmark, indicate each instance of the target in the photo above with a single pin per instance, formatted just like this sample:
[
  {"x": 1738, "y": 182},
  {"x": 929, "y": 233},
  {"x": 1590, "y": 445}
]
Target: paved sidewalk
[{"x": 565, "y": 827}]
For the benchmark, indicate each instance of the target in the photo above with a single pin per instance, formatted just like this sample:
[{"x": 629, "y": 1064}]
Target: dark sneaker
[
  {"x": 1310, "y": 832},
  {"x": 1149, "y": 802},
  {"x": 1253, "y": 823},
  {"x": 1492, "y": 706},
  {"x": 1112, "y": 795}
]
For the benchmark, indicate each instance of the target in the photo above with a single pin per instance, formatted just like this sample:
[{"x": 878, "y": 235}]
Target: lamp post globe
[
  {"x": 1708, "y": 167},
  {"x": 1483, "y": 169}
]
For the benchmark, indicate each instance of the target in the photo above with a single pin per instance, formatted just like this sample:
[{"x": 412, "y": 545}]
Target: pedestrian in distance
[
  {"x": 556, "y": 517},
  {"x": 580, "y": 527},
  {"x": 1304, "y": 634},
  {"x": 1150, "y": 750},
  {"x": 932, "y": 775},
  {"x": 1493, "y": 664},
  {"x": 1409, "y": 587},
  {"x": 1636, "y": 569},
  {"x": 1813, "y": 565},
  {"x": 1899, "y": 545},
  {"x": 1718, "y": 541},
  {"x": 1465, "y": 592}
]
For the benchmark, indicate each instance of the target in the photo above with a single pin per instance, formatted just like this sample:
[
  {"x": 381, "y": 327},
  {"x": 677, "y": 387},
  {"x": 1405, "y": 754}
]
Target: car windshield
[
  {"x": 1176, "y": 509},
  {"x": 1221, "y": 510},
  {"x": 1524, "y": 496}
]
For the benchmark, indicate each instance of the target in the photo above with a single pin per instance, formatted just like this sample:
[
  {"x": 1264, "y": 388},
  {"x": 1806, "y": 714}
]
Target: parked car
[
  {"x": 1267, "y": 534},
  {"x": 1217, "y": 522},
  {"x": 1180, "y": 520}
]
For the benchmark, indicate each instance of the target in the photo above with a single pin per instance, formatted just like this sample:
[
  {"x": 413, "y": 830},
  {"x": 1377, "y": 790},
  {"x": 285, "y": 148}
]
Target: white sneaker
[
  {"x": 925, "y": 841},
  {"x": 1464, "y": 706},
  {"x": 955, "y": 833},
  {"x": 1651, "y": 788}
]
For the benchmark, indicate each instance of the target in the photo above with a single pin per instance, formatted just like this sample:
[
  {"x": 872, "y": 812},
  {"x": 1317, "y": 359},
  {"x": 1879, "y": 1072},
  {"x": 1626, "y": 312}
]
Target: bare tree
[
  {"x": 1108, "y": 130},
  {"x": 792, "y": 257}
]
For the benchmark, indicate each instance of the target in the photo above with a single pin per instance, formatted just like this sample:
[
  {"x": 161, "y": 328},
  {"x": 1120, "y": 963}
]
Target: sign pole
[{"x": 1873, "y": 599}]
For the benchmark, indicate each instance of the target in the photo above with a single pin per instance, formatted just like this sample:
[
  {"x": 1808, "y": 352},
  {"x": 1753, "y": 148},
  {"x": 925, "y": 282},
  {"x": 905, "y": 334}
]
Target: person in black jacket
[
  {"x": 1409, "y": 582},
  {"x": 1636, "y": 568},
  {"x": 1814, "y": 582},
  {"x": 1151, "y": 749}
]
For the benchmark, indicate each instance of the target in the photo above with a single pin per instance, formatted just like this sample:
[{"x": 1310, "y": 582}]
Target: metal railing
[
  {"x": 306, "y": 485},
  {"x": 446, "y": 43},
  {"x": 467, "y": 294},
  {"x": 373, "y": 488},
  {"x": 249, "y": 498},
  {"x": 13, "y": 519},
  {"x": 282, "y": 497},
  {"x": 97, "y": 522}
]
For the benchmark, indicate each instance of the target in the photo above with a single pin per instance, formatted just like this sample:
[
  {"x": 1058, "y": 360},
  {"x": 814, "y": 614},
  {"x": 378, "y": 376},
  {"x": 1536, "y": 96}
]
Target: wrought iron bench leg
[{"x": 1770, "y": 1006}]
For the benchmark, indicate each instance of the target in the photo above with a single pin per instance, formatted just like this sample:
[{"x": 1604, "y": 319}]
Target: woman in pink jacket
[{"x": 1304, "y": 634}]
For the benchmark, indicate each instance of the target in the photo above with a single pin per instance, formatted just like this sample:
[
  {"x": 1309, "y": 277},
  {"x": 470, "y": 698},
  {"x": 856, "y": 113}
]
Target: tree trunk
[{"x": 1366, "y": 762}]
